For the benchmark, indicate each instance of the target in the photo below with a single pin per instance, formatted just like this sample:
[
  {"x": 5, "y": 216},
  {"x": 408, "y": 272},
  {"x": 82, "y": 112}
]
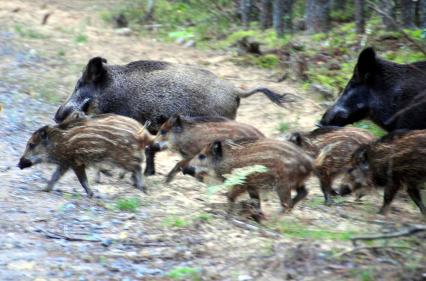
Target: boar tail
[{"x": 276, "y": 98}]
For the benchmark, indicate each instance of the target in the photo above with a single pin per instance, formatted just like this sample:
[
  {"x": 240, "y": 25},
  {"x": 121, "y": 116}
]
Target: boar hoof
[
  {"x": 47, "y": 189},
  {"x": 149, "y": 173},
  {"x": 143, "y": 189},
  {"x": 329, "y": 201},
  {"x": 90, "y": 194}
]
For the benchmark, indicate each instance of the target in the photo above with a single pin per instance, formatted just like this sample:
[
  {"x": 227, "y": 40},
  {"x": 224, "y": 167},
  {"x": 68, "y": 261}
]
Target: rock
[
  {"x": 125, "y": 31},
  {"x": 323, "y": 91},
  {"x": 189, "y": 44},
  {"x": 180, "y": 41}
]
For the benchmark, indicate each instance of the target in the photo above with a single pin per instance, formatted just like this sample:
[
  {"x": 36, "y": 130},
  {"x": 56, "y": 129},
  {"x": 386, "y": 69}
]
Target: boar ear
[
  {"x": 217, "y": 150},
  {"x": 177, "y": 124},
  {"x": 95, "y": 70},
  {"x": 366, "y": 63}
]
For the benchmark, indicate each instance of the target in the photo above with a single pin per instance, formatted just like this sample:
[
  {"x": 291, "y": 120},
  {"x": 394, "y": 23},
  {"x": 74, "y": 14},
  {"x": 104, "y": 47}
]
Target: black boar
[
  {"x": 395, "y": 160},
  {"x": 188, "y": 135},
  {"x": 82, "y": 142},
  {"x": 379, "y": 90},
  {"x": 332, "y": 148},
  {"x": 288, "y": 168},
  {"x": 155, "y": 91}
]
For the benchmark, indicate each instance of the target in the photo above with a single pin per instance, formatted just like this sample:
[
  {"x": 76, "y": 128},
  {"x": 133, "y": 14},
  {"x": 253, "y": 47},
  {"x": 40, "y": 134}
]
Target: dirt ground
[{"x": 179, "y": 231}]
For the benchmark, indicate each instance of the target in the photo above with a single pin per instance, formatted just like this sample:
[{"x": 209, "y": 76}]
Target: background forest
[{"x": 314, "y": 42}]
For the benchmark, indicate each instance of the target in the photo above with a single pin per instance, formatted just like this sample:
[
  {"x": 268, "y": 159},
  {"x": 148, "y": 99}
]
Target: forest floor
[{"x": 179, "y": 231}]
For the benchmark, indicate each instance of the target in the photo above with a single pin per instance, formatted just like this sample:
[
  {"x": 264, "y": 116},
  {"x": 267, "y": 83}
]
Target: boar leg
[
  {"x": 150, "y": 152},
  {"x": 59, "y": 172},
  {"x": 254, "y": 195},
  {"x": 137, "y": 178},
  {"x": 284, "y": 193},
  {"x": 102, "y": 171},
  {"x": 301, "y": 193},
  {"x": 415, "y": 195},
  {"x": 389, "y": 194},
  {"x": 325, "y": 183},
  {"x": 232, "y": 196},
  {"x": 80, "y": 172}
]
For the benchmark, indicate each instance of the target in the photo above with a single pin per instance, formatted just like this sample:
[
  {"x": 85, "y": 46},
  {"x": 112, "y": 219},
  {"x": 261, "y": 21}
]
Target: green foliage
[
  {"x": 371, "y": 127},
  {"x": 185, "y": 273},
  {"x": 203, "y": 217},
  {"x": 267, "y": 61},
  {"x": 128, "y": 204},
  {"x": 237, "y": 177},
  {"x": 27, "y": 32}
]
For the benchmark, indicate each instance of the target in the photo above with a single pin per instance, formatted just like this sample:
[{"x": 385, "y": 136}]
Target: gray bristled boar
[
  {"x": 332, "y": 148},
  {"x": 393, "y": 161},
  {"x": 288, "y": 168},
  {"x": 155, "y": 91},
  {"x": 82, "y": 142},
  {"x": 188, "y": 135}
]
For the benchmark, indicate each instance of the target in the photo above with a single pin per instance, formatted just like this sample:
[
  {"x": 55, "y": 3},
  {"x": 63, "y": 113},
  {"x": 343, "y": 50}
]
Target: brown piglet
[
  {"x": 393, "y": 161},
  {"x": 188, "y": 135},
  {"x": 82, "y": 142},
  {"x": 332, "y": 148},
  {"x": 287, "y": 168}
]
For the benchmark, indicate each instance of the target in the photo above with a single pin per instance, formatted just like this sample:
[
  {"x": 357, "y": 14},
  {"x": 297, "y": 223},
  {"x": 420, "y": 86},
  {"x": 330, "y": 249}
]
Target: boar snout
[
  {"x": 24, "y": 163},
  {"x": 189, "y": 170},
  {"x": 62, "y": 113},
  {"x": 335, "y": 116}
]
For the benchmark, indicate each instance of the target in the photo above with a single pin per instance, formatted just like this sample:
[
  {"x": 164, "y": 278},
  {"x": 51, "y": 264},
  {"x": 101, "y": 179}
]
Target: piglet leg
[
  {"x": 80, "y": 172},
  {"x": 59, "y": 172}
]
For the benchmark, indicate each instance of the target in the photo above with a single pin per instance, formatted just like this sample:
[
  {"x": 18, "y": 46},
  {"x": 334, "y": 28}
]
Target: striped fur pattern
[
  {"x": 82, "y": 142},
  {"x": 188, "y": 135},
  {"x": 288, "y": 167},
  {"x": 332, "y": 148},
  {"x": 396, "y": 160}
]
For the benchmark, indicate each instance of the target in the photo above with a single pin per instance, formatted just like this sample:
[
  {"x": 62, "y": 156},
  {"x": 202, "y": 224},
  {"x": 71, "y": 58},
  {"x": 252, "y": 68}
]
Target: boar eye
[
  {"x": 201, "y": 157},
  {"x": 163, "y": 132}
]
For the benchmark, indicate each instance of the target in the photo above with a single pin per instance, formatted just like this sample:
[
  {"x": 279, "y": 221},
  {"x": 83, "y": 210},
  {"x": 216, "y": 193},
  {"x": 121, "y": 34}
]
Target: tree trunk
[
  {"x": 245, "y": 6},
  {"x": 150, "y": 6},
  {"x": 388, "y": 7},
  {"x": 408, "y": 13},
  {"x": 422, "y": 12},
  {"x": 318, "y": 15},
  {"x": 265, "y": 14},
  {"x": 278, "y": 12},
  {"x": 359, "y": 16},
  {"x": 339, "y": 5},
  {"x": 288, "y": 15}
]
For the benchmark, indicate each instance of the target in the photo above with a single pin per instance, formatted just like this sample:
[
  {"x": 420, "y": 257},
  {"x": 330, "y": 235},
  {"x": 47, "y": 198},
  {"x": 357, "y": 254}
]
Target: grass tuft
[{"x": 129, "y": 204}]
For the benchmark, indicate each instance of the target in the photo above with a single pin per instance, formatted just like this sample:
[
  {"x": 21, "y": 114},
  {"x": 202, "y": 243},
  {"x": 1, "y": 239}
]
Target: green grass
[
  {"x": 363, "y": 274},
  {"x": 283, "y": 127},
  {"x": 185, "y": 273},
  {"x": 81, "y": 38},
  {"x": 175, "y": 221},
  {"x": 27, "y": 32},
  {"x": 292, "y": 228},
  {"x": 203, "y": 217},
  {"x": 128, "y": 204}
]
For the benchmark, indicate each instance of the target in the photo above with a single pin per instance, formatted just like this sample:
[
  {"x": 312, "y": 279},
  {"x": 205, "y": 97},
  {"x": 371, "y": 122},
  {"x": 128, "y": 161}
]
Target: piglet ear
[
  {"x": 177, "y": 123},
  {"x": 95, "y": 70},
  {"x": 296, "y": 138},
  {"x": 43, "y": 132},
  {"x": 217, "y": 150},
  {"x": 366, "y": 63}
]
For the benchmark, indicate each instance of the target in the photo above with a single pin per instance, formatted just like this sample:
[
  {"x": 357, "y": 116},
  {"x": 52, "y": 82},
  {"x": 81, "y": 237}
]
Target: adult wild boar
[
  {"x": 383, "y": 91},
  {"x": 155, "y": 91}
]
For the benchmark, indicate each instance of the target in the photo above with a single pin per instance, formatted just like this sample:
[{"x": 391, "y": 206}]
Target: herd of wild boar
[{"x": 118, "y": 115}]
